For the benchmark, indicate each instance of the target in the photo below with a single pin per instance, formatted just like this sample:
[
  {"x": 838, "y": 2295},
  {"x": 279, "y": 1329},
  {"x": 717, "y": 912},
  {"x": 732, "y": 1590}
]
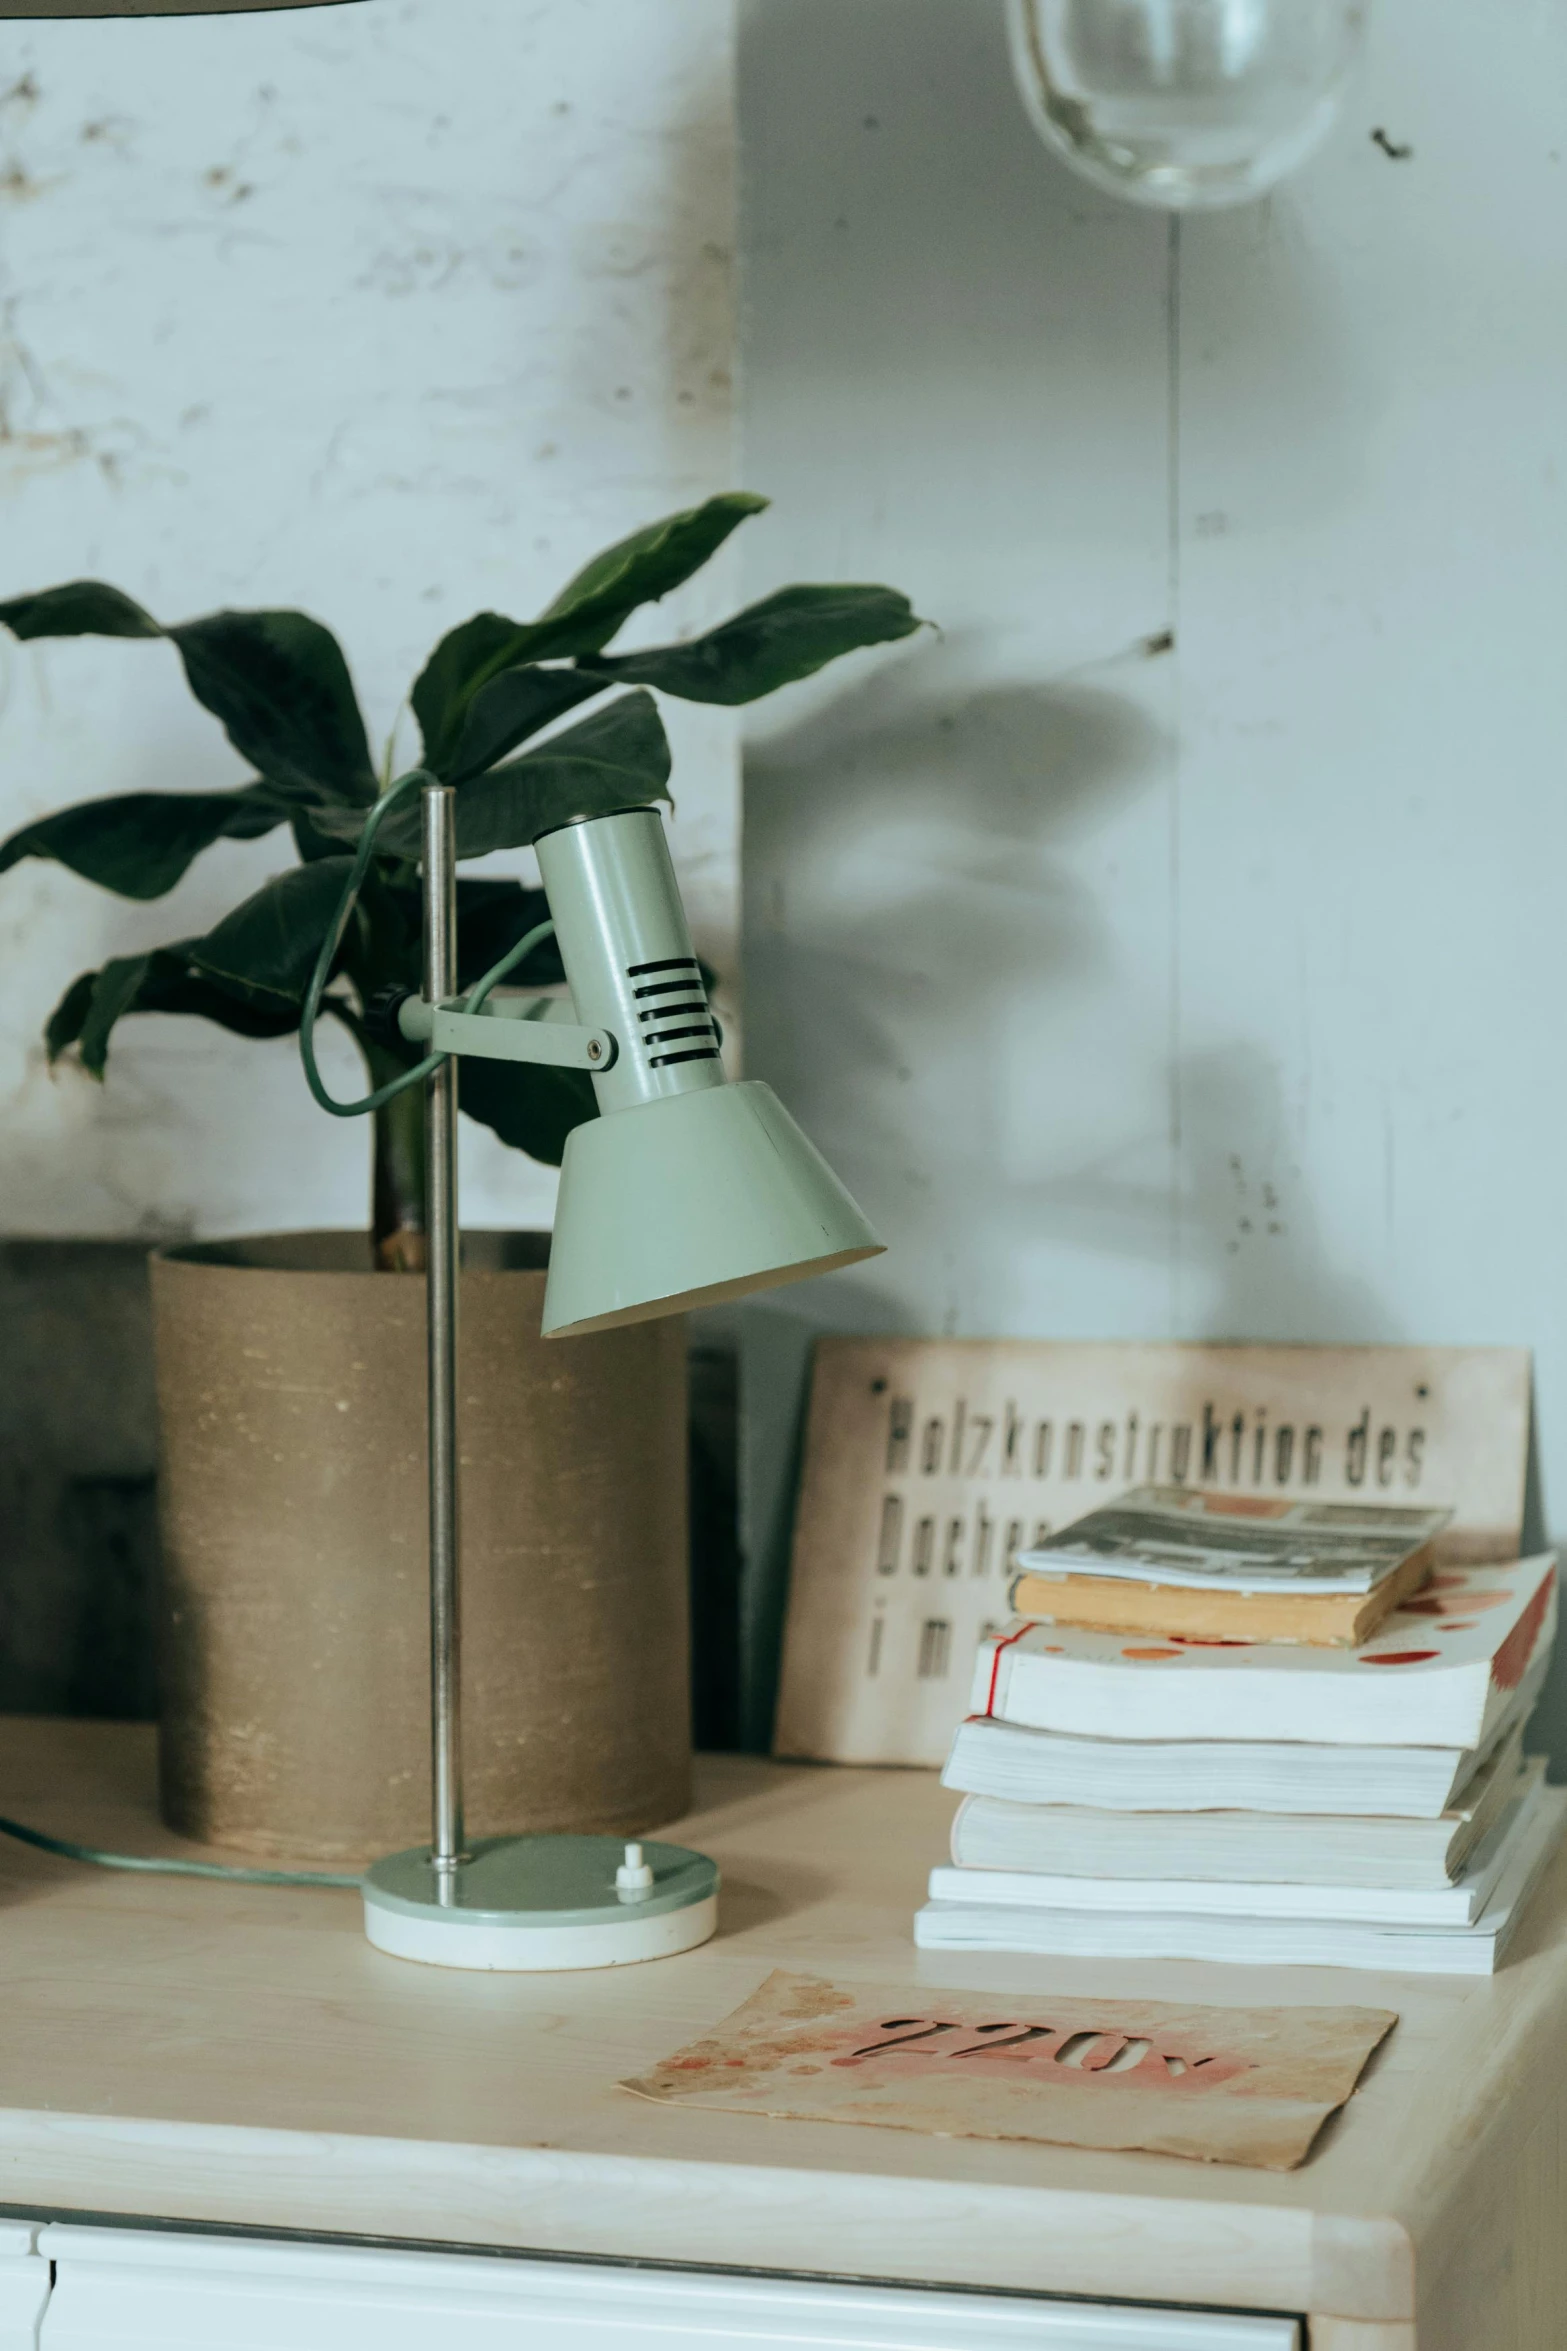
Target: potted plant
[{"x": 289, "y": 1369}]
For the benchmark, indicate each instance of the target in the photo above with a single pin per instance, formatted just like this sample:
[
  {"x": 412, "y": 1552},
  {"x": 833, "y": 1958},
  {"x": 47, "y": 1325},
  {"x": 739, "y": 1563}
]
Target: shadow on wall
[
  {"x": 919, "y": 908},
  {"x": 911, "y": 888},
  {"x": 1246, "y": 1237}
]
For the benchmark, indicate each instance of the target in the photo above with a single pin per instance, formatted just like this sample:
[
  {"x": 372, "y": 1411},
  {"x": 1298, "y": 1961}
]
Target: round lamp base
[{"x": 526, "y": 1904}]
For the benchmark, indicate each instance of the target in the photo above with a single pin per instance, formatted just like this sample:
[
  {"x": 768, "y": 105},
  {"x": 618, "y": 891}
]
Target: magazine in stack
[{"x": 1157, "y": 1794}]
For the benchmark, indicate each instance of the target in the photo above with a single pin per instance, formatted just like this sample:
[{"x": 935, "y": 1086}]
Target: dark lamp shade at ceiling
[{"x": 37, "y": 10}]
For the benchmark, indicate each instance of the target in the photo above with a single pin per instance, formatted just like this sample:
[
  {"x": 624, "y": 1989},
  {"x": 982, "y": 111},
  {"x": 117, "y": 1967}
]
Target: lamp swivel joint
[{"x": 508, "y": 1028}]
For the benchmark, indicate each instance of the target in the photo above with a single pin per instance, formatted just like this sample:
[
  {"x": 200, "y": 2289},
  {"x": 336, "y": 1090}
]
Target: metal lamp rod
[{"x": 437, "y": 810}]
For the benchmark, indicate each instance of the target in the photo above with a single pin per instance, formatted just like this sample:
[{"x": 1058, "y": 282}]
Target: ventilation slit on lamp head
[{"x": 686, "y": 1190}]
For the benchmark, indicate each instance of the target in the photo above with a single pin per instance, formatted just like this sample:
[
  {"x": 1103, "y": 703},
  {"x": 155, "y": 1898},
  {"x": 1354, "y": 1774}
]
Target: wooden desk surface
[{"x": 190, "y": 2050}]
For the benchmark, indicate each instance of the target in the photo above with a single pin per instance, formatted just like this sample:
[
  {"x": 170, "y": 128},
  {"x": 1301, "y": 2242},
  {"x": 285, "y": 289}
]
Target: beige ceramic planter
[{"x": 295, "y": 1659}]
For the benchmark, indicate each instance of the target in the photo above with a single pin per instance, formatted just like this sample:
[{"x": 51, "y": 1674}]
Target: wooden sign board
[{"x": 929, "y": 1462}]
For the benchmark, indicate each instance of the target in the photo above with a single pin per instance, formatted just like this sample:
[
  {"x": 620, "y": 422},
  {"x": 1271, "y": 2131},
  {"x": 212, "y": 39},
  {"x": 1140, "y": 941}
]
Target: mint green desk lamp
[{"x": 685, "y": 1190}]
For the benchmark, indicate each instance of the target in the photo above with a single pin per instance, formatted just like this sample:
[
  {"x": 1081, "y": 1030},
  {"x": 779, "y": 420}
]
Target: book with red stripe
[{"x": 1440, "y": 1672}]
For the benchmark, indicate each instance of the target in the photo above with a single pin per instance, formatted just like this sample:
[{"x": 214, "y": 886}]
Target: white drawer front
[
  {"x": 136, "y": 2290},
  {"x": 24, "y": 2286}
]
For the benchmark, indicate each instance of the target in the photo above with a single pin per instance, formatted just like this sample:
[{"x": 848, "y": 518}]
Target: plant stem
[{"x": 397, "y": 1192}]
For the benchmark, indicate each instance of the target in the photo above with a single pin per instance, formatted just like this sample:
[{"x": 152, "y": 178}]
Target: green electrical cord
[
  {"x": 311, "y": 1008},
  {"x": 69, "y": 1851},
  {"x": 478, "y": 994}
]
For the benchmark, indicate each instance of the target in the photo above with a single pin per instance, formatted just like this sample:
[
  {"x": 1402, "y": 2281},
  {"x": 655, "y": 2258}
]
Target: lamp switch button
[{"x": 633, "y": 1879}]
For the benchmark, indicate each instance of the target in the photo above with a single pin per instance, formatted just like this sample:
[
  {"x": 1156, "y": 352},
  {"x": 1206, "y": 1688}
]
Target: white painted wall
[
  {"x": 391, "y": 311},
  {"x": 1213, "y": 992}
]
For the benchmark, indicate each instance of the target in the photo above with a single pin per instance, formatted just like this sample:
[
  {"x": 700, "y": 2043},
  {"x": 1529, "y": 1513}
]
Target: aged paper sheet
[{"x": 1221, "y": 2085}]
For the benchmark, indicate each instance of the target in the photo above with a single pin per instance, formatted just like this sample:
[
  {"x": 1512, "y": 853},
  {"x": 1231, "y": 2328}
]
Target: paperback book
[
  {"x": 1300, "y": 1848},
  {"x": 1025, "y": 1766},
  {"x": 1246, "y": 1566},
  {"x": 1457, "y": 1903},
  {"x": 1475, "y": 1949},
  {"x": 1442, "y": 1671}
]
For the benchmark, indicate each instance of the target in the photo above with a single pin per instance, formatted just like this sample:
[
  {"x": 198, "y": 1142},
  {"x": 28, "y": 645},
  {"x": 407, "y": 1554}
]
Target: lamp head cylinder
[
  {"x": 630, "y": 964},
  {"x": 686, "y": 1189}
]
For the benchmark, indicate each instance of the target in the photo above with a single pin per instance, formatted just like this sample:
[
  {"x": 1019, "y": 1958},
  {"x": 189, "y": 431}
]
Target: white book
[
  {"x": 1250, "y": 1942},
  {"x": 1458, "y": 1904},
  {"x": 1440, "y": 1672},
  {"x": 1024, "y": 1766},
  {"x": 1276, "y": 1848}
]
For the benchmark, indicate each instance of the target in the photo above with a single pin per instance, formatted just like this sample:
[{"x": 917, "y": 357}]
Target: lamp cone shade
[{"x": 687, "y": 1201}]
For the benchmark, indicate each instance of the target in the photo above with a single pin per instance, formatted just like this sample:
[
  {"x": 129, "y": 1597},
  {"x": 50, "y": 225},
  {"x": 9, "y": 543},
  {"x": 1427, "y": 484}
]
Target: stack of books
[{"x": 1216, "y": 1734}]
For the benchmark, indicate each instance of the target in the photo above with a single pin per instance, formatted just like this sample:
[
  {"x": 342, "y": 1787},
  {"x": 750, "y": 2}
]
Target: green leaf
[
  {"x": 265, "y": 951},
  {"x": 277, "y": 681},
  {"x": 530, "y": 1107},
  {"x": 787, "y": 636},
  {"x": 162, "y": 981},
  {"x": 618, "y": 758},
  {"x": 465, "y": 660},
  {"x": 280, "y": 686},
  {"x": 645, "y": 567},
  {"x": 582, "y": 619},
  {"x": 142, "y": 843},
  {"x": 175, "y": 986},
  {"x": 312, "y": 842},
  {"x": 66, "y": 1022},
  {"x": 511, "y": 708},
  {"x": 81, "y": 608},
  {"x": 491, "y": 917},
  {"x": 115, "y": 989}
]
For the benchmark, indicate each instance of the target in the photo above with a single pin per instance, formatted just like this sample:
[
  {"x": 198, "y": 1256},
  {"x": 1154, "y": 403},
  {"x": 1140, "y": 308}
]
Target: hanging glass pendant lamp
[{"x": 1184, "y": 104}]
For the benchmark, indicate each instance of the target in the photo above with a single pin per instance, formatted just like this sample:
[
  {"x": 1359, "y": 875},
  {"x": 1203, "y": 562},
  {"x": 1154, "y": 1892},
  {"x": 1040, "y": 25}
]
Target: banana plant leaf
[
  {"x": 617, "y": 758},
  {"x": 645, "y": 567},
  {"x": 280, "y": 685},
  {"x": 276, "y": 681},
  {"x": 491, "y": 917},
  {"x": 141, "y": 843},
  {"x": 584, "y": 616},
  {"x": 78, "y": 608},
  {"x": 532, "y": 1108},
  {"x": 163, "y": 980},
  {"x": 513, "y": 706},
  {"x": 787, "y": 636},
  {"x": 265, "y": 951}
]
